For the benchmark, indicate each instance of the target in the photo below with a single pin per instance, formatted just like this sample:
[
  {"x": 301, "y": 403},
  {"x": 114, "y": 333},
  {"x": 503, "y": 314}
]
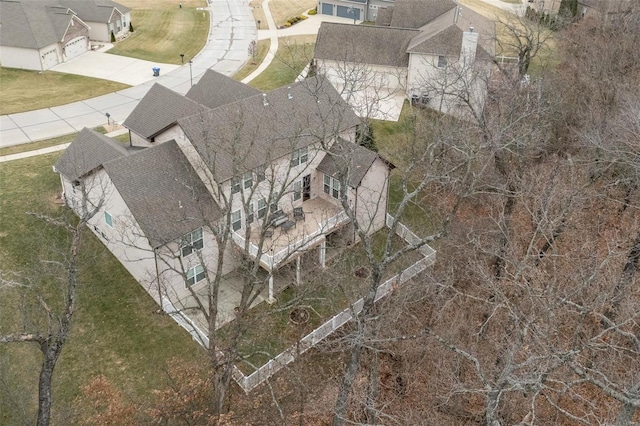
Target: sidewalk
[{"x": 231, "y": 31}]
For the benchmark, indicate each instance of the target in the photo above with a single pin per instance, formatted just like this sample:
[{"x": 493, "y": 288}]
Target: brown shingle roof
[
  {"x": 158, "y": 110},
  {"x": 215, "y": 89},
  {"x": 364, "y": 44},
  {"x": 383, "y": 18},
  {"x": 246, "y": 134},
  {"x": 347, "y": 157},
  {"x": 163, "y": 192},
  {"x": 33, "y": 24},
  {"x": 444, "y": 37},
  {"x": 88, "y": 151},
  {"x": 417, "y": 13}
]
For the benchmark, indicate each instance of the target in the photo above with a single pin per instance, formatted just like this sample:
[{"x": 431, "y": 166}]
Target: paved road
[{"x": 232, "y": 29}]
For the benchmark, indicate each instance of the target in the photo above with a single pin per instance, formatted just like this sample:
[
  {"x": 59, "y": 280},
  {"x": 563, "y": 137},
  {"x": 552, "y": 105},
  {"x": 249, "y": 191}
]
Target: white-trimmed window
[
  {"x": 195, "y": 275},
  {"x": 250, "y": 213},
  {"x": 191, "y": 242},
  {"x": 236, "y": 220},
  {"x": 262, "y": 208},
  {"x": 332, "y": 186},
  {"x": 300, "y": 156},
  {"x": 236, "y": 185},
  {"x": 261, "y": 173},
  {"x": 442, "y": 61},
  {"x": 108, "y": 219},
  {"x": 297, "y": 190},
  {"x": 247, "y": 179}
]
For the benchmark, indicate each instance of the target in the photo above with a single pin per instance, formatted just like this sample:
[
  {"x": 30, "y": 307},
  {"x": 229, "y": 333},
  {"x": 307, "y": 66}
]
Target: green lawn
[
  {"x": 28, "y": 90},
  {"x": 294, "y": 53},
  {"x": 163, "y": 32},
  {"x": 115, "y": 331}
]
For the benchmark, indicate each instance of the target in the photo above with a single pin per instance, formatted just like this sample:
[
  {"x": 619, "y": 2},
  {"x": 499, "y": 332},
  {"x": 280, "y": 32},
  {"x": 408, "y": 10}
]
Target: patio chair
[{"x": 298, "y": 213}]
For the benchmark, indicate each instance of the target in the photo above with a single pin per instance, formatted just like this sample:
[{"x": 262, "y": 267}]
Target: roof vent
[
  {"x": 289, "y": 95},
  {"x": 264, "y": 100}
]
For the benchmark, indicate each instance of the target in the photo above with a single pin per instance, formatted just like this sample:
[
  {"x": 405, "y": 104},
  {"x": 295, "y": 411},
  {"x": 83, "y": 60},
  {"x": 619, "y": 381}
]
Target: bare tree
[{"x": 49, "y": 326}]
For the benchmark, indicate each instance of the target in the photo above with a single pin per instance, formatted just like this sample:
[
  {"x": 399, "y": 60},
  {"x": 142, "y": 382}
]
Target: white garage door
[
  {"x": 49, "y": 59},
  {"x": 75, "y": 47}
]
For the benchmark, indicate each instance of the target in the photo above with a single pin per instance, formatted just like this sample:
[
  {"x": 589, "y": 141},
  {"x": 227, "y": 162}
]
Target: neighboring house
[
  {"x": 358, "y": 10},
  {"x": 550, "y": 7},
  {"x": 273, "y": 167},
  {"x": 609, "y": 8},
  {"x": 102, "y": 16},
  {"x": 427, "y": 50},
  {"x": 39, "y": 34}
]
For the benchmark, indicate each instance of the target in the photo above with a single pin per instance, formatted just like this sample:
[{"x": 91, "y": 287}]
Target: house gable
[
  {"x": 87, "y": 152},
  {"x": 163, "y": 192},
  {"x": 215, "y": 89},
  {"x": 159, "y": 110}
]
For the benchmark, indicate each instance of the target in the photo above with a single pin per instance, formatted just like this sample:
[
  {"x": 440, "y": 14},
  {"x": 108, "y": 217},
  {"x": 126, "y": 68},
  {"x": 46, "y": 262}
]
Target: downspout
[
  {"x": 355, "y": 215},
  {"x": 155, "y": 258}
]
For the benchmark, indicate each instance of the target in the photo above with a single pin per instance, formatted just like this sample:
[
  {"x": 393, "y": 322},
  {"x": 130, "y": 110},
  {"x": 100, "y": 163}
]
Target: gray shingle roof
[
  {"x": 243, "y": 135},
  {"x": 215, "y": 89},
  {"x": 158, "y": 110},
  {"x": 347, "y": 157},
  {"x": 163, "y": 192},
  {"x": 88, "y": 151},
  {"x": 364, "y": 44},
  {"x": 417, "y": 13},
  {"x": 32, "y": 24},
  {"x": 444, "y": 37}
]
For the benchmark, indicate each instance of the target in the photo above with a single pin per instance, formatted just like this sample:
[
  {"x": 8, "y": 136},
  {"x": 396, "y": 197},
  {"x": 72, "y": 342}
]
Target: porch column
[
  {"x": 298, "y": 270},
  {"x": 271, "y": 299},
  {"x": 323, "y": 253}
]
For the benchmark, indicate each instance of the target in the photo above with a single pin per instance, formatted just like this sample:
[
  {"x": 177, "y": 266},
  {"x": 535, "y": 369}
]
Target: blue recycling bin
[{"x": 156, "y": 71}]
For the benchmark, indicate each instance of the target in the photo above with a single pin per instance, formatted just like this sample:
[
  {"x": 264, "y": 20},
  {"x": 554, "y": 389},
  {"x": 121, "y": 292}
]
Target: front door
[{"x": 306, "y": 187}]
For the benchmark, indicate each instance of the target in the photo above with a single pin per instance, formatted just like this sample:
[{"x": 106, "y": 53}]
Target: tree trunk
[{"x": 51, "y": 352}]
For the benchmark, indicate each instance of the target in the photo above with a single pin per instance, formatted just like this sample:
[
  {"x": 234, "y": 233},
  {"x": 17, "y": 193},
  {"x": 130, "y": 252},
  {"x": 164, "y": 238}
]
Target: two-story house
[
  {"x": 432, "y": 52},
  {"x": 274, "y": 170}
]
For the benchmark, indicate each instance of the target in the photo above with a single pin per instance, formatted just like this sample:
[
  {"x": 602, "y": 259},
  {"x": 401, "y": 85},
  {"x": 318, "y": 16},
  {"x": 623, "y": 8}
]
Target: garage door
[
  {"x": 75, "y": 47},
  {"x": 49, "y": 59},
  {"x": 327, "y": 9},
  {"x": 348, "y": 12}
]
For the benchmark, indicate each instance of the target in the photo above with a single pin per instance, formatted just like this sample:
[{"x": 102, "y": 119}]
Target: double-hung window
[
  {"x": 236, "y": 185},
  {"x": 332, "y": 186},
  {"x": 261, "y": 173},
  {"x": 442, "y": 61},
  {"x": 191, "y": 242},
  {"x": 195, "y": 275},
  {"x": 262, "y": 208},
  {"x": 236, "y": 220},
  {"x": 297, "y": 190},
  {"x": 299, "y": 156},
  {"x": 247, "y": 179}
]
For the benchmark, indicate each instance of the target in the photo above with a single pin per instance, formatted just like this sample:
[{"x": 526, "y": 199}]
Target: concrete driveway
[{"x": 122, "y": 69}]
